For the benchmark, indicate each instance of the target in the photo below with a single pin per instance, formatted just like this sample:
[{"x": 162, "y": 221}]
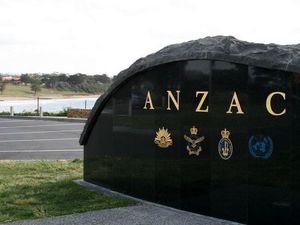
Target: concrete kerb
[
  {"x": 107, "y": 191},
  {"x": 50, "y": 118}
]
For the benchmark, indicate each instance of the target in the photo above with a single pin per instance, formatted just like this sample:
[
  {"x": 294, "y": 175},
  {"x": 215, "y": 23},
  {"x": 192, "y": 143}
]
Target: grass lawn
[
  {"x": 25, "y": 91},
  {"x": 36, "y": 189}
]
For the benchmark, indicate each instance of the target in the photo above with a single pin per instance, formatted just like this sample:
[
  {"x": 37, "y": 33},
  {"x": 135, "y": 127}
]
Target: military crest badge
[
  {"x": 225, "y": 146},
  {"x": 260, "y": 146},
  {"x": 193, "y": 142},
  {"x": 163, "y": 138}
]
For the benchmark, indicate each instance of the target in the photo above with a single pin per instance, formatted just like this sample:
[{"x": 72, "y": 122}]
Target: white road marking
[
  {"x": 46, "y": 150},
  {"x": 50, "y": 139},
  {"x": 42, "y": 132},
  {"x": 14, "y": 121},
  {"x": 49, "y": 125}
]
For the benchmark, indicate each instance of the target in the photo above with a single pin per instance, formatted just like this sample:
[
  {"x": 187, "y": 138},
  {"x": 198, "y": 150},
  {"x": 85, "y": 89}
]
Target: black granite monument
[{"x": 210, "y": 126}]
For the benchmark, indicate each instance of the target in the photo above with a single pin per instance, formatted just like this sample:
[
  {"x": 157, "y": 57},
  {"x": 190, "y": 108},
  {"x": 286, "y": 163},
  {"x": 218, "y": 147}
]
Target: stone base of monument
[{"x": 201, "y": 218}]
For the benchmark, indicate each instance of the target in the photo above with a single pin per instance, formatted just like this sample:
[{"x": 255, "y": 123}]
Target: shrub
[{"x": 78, "y": 113}]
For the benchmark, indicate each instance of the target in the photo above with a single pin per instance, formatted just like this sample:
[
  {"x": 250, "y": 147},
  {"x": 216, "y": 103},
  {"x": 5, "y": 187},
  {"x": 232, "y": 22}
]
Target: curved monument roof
[{"x": 224, "y": 48}]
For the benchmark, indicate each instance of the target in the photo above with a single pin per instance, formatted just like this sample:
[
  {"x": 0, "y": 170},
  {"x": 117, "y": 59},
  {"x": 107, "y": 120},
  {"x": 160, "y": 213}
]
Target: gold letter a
[
  {"x": 235, "y": 103},
  {"x": 148, "y": 101}
]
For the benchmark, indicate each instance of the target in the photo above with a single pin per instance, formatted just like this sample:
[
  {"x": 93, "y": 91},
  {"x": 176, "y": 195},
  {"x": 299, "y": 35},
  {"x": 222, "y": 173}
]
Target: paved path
[
  {"x": 39, "y": 139},
  {"x": 135, "y": 215}
]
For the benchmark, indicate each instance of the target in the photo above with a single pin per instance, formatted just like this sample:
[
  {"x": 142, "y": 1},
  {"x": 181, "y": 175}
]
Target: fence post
[
  {"x": 11, "y": 111},
  {"x": 41, "y": 111},
  {"x": 37, "y": 105}
]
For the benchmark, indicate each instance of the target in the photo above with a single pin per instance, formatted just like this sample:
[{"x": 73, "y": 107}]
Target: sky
[{"x": 107, "y": 36}]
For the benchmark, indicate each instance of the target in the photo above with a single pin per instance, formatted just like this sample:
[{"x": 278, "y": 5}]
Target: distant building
[{"x": 10, "y": 78}]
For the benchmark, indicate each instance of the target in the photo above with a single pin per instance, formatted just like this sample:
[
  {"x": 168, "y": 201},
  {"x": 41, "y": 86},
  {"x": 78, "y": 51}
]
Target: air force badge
[
  {"x": 225, "y": 146},
  {"x": 193, "y": 147},
  {"x": 260, "y": 146}
]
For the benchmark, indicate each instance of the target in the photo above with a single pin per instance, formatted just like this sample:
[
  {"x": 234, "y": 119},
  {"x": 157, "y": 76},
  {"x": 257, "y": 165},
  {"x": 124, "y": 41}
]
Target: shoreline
[{"x": 20, "y": 98}]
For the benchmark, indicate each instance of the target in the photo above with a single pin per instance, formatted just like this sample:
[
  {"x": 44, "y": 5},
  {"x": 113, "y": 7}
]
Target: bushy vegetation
[
  {"x": 77, "y": 82},
  {"x": 78, "y": 113}
]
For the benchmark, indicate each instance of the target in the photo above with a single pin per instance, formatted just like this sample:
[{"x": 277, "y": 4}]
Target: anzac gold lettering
[
  {"x": 199, "y": 109},
  {"x": 235, "y": 103},
  {"x": 269, "y": 106},
  {"x": 175, "y": 101},
  {"x": 148, "y": 101},
  {"x": 204, "y": 107}
]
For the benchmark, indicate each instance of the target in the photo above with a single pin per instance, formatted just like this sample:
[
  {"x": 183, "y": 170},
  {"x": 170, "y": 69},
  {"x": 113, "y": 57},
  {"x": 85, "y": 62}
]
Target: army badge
[
  {"x": 163, "y": 138},
  {"x": 193, "y": 146},
  {"x": 225, "y": 146},
  {"x": 260, "y": 146}
]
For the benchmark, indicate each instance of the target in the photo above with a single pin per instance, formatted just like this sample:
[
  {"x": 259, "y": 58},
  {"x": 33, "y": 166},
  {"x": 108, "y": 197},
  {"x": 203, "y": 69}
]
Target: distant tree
[
  {"x": 50, "y": 80},
  {"x": 25, "y": 78},
  {"x": 2, "y": 86},
  {"x": 63, "y": 86},
  {"x": 63, "y": 77},
  {"x": 36, "y": 86},
  {"x": 104, "y": 79},
  {"x": 77, "y": 79}
]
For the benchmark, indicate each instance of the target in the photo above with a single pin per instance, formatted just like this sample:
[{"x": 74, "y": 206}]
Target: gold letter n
[{"x": 175, "y": 101}]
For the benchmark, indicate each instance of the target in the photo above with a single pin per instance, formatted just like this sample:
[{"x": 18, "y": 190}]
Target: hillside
[{"x": 12, "y": 90}]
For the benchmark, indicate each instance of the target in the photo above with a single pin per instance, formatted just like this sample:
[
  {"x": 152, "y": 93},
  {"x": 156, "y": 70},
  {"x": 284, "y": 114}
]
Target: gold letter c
[{"x": 268, "y": 103}]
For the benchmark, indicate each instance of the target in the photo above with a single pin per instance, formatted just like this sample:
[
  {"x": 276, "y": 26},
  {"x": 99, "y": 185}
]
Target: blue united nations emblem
[
  {"x": 260, "y": 146},
  {"x": 225, "y": 146},
  {"x": 193, "y": 141}
]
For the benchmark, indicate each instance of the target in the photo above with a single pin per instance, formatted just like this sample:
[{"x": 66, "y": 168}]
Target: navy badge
[
  {"x": 225, "y": 146},
  {"x": 260, "y": 146},
  {"x": 163, "y": 138},
  {"x": 193, "y": 146}
]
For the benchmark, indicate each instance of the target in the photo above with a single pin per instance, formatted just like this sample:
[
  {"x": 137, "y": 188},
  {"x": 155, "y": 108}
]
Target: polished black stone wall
[{"x": 121, "y": 154}]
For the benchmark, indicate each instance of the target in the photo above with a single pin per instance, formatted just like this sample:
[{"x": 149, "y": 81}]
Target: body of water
[{"x": 48, "y": 105}]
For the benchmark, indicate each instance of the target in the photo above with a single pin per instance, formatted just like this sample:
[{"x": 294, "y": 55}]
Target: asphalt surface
[
  {"x": 141, "y": 214},
  {"x": 22, "y": 139}
]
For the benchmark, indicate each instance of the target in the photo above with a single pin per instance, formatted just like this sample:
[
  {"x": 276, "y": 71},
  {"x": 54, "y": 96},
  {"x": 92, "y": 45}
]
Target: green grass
[
  {"x": 37, "y": 189},
  {"x": 25, "y": 91}
]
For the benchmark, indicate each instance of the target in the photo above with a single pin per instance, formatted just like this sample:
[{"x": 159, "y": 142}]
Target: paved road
[{"x": 39, "y": 139}]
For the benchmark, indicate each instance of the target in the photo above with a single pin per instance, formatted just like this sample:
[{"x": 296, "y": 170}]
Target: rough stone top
[{"x": 224, "y": 48}]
